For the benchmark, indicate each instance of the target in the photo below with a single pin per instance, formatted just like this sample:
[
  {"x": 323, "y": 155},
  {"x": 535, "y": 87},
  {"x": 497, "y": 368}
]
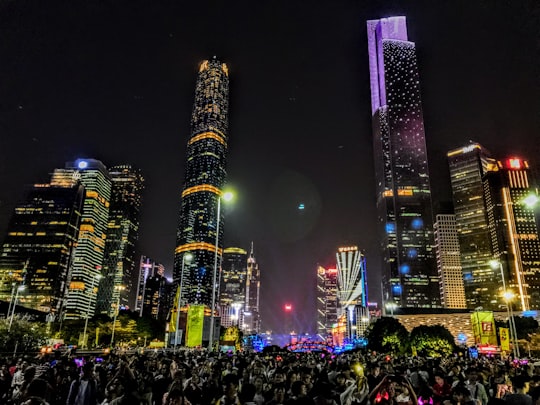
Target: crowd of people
[{"x": 199, "y": 377}]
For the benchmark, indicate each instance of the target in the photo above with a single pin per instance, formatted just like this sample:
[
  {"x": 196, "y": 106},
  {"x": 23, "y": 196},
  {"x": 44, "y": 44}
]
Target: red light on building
[
  {"x": 288, "y": 307},
  {"x": 514, "y": 163},
  {"x": 331, "y": 271}
]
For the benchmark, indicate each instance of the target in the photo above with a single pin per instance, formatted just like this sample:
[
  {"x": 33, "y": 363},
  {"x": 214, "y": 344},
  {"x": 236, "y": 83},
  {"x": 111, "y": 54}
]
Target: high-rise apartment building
[
  {"x": 88, "y": 256},
  {"x": 403, "y": 190},
  {"x": 449, "y": 262},
  {"x": 513, "y": 230},
  {"x": 40, "y": 242},
  {"x": 116, "y": 285},
  {"x": 252, "y": 314},
  {"x": 327, "y": 302},
  {"x": 199, "y": 226},
  {"x": 232, "y": 289},
  {"x": 468, "y": 165}
]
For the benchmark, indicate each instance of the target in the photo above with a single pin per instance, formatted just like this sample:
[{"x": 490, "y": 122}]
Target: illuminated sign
[
  {"x": 331, "y": 271},
  {"x": 83, "y": 164},
  {"x": 348, "y": 249},
  {"x": 514, "y": 163}
]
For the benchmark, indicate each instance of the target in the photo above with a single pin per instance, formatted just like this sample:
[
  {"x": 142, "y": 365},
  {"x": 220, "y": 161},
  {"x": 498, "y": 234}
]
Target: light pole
[
  {"x": 120, "y": 288},
  {"x": 228, "y": 196},
  {"x": 19, "y": 288},
  {"x": 14, "y": 285},
  {"x": 507, "y": 297},
  {"x": 94, "y": 278},
  {"x": 185, "y": 257}
]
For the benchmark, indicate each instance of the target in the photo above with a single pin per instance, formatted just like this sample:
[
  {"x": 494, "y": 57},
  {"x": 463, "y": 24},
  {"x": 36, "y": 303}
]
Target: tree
[
  {"x": 387, "y": 335},
  {"x": 525, "y": 325},
  {"x": 25, "y": 335},
  {"x": 432, "y": 341}
]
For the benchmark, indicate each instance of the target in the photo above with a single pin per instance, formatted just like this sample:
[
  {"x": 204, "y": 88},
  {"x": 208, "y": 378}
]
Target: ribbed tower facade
[
  {"x": 403, "y": 189},
  {"x": 40, "y": 243},
  {"x": 88, "y": 257},
  {"x": 199, "y": 227},
  {"x": 252, "y": 315},
  {"x": 468, "y": 164},
  {"x": 513, "y": 230},
  {"x": 116, "y": 285}
]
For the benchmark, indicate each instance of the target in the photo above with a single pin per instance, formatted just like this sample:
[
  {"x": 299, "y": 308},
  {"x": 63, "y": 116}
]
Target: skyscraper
[
  {"x": 252, "y": 314},
  {"x": 88, "y": 257},
  {"x": 448, "y": 261},
  {"x": 204, "y": 179},
  {"x": 513, "y": 230},
  {"x": 233, "y": 286},
  {"x": 327, "y": 301},
  {"x": 40, "y": 242},
  {"x": 147, "y": 268},
  {"x": 468, "y": 164},
  {"x": 122, "y": 234},
  {"x": 403, "y": 189}
]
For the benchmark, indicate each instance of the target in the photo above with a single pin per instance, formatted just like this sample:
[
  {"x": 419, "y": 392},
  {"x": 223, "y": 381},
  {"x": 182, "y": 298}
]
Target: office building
[
  {"x": 403, "y": 191},
  {"x": 87, "y": 263},
  {"x": 468, "y": 164},
  {"x": 199, "y": 226},
  {"x": 449, "y": 262},
  {"x": 147, "y": 268},
  {"x": 513, "y": 231},
  {"x": 252, "y": 314},
  {"x": 118, "y": 270},
  {"x": 40, "y": 241},
  {"x": 327, "y": 302},
  {"x": 232, "y": 295}
]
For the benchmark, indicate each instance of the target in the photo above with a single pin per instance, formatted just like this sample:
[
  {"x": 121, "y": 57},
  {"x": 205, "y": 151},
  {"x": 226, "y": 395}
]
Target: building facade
[
  {"x": 83, "y": 283},
  {"x": 327, "y": 302},
  {"x": 40, "y": 241},
  {"x": 118, "y": 271},
  {"x": 468, "y": 165},
  {"x": 252, "y": 314},
  {"x": 232, "y": 289},
  {"x": 199, "y": 226},
  {"x": 449, "y": 262},
  {"x": 513, "y": 231},
  {"x": 403, "y": 188}
]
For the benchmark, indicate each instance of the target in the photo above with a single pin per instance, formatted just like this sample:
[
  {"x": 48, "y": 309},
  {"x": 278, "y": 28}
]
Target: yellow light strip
[
  {"x": 207, "y": 135},
  {"x": 202, "y": 187},
  {"x": 188, "y": 247}
]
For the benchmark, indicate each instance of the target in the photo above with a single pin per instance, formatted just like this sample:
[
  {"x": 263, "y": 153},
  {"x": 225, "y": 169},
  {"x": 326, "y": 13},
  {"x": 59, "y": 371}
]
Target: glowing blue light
[
  {"x": 396, "y": 289},
  {"x": 390, "y": 227},
  {"x": 462, "y": 338},
  {"x": 404, "y": 269},
  {"x": 412, "y": 253},
  {"x": 531, "y": 314},
  {"x": 468, "y": 276},
  {"x": 83, "y": 164},
  {"x": 301, "y": 206},
  {"x": 417, "y": 223}
]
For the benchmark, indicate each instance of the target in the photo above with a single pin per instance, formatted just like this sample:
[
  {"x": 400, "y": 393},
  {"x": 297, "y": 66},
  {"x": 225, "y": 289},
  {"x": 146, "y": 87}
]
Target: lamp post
[
  {"x": 228, "y": 196},
  {"x": 185, "y": 257},
  {"x": 14, "y": 285},
  {"x": 507, "y": 297},
  {"x": 94, "y": 278},
  {"x": 19, "y": 288},
  {"x": 120, "y": 288}
]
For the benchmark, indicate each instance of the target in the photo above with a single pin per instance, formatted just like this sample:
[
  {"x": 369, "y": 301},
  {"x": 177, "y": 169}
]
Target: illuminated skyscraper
[
  {"x": 40, "y": 241},
  {"x": 513, "y": 230},
  {"x": 122, "y": 234},
  {"x": 88, "y": 257},
  {"x": 204, "y": 179},
  {"x": 147, "y": 268},
  {"x": 252, "y": 314},
  {"x": 233, "y": 286},
  {"x": 448, "y": 261},
  {"x": 403, "y": 191},
  {"x": 468, "y": 165},
  {"x": 327, "y": 301}
]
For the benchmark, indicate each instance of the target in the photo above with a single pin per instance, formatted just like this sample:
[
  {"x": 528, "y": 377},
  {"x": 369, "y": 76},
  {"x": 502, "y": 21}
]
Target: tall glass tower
[
  {"x": 204, "y": 178},
  {"x": 405, "y": 216}
]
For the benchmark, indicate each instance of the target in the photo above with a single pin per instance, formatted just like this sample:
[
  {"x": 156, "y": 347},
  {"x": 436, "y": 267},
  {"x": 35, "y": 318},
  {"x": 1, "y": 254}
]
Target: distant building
[
  {"x": 403, "y": 191},
  {"x": 252, "y": 314},
  {"x": 468, "y": 164},
  {"x": 513, "y": 230},
  {"x": 147, "y": 268},
  {"x": 88, "y": 255},
  {"x": 40, "y": 242},
  {"x": 448, "y": 262},
  {"x": 233, "y": 286},
  {"x": 327, "y": 301},
  {"x": 154, "y": 297},
  {"x": 118, "y": 269},
  {"x": 204, "y": 178}
]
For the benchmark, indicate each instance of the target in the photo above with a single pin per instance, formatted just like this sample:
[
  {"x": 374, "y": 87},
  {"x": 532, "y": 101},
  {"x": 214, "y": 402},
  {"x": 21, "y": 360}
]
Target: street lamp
[
  {"x": 185, "y": 257},
  {"x": 120, "y": 288},
  {"x": 19, "y": 288},
  {"x": 508, "y": 295},
  {"x": 94, "y": 278},
  {"x": 227, "y": 196}
]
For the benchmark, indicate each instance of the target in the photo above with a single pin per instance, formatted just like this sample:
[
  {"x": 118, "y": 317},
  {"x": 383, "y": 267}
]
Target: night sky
[{"x": 114, "y": 80}]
